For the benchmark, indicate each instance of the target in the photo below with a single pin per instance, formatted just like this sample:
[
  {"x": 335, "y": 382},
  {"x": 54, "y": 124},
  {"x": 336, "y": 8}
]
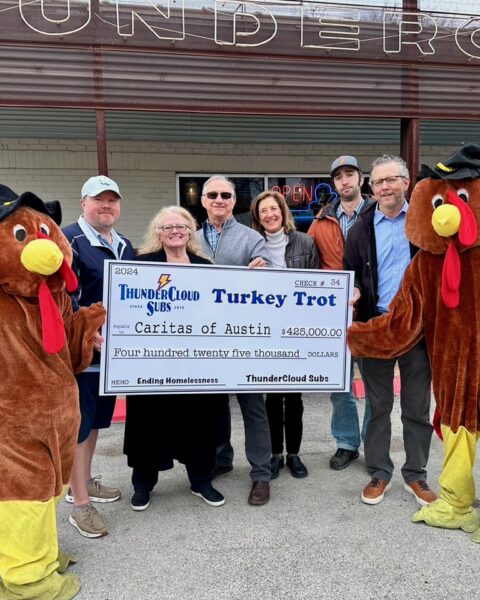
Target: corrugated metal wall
[
  {"x": 47, "y": 77},
  {"x": 129, "y": 125}
]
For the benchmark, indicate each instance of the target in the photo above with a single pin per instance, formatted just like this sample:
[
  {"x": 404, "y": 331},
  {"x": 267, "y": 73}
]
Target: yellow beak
[
  {"x": 446, "y": 220},
  {"x": 41, "y": 256}
]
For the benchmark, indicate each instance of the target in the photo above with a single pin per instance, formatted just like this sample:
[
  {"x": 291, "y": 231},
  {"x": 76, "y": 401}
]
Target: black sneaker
[
  {"x": 342, "y": 458},
  {"x": 208, "y": 493},
  {"x": 276, "y": 463},
  {"x": 140, "y": 500},
  {"x": 296, "y": 466}
]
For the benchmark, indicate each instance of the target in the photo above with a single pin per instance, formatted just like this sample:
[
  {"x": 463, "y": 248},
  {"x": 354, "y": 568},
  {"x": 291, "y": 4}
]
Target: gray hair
[
  {"x": 389, "y": 158},
  {"x": 219, "y": 178}
]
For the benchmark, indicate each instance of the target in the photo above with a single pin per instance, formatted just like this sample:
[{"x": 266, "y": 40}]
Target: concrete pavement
[{"x": 314, "y": 540}]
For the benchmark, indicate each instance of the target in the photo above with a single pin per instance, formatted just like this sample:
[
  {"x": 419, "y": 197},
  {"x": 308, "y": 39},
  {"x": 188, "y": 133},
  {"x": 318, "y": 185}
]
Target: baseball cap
[
  {"x": 344, "y": 161},
  {"x": 98, "y": 184}
]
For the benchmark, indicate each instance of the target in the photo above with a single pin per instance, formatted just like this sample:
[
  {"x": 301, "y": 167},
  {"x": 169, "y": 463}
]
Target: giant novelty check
[{"x": 190, "y": 328}]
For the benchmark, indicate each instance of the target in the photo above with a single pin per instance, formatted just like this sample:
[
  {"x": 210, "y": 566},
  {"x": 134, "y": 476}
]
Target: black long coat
[{"x": 160, "y": 428}]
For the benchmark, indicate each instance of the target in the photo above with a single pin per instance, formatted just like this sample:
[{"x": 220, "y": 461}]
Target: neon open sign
[{"x": 321, "y": 193}]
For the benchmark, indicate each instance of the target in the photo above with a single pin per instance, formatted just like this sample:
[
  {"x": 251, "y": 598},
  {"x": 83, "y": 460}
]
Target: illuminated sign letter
[
  {"x": 340, "y": 29},
  {"x": 34, "y": 15},
  {"x": 403, "y": 27},
  {"x": 156, "y": 18},
  {"x": 468, "y": 31},
  {"x": 244, "y": 23}
]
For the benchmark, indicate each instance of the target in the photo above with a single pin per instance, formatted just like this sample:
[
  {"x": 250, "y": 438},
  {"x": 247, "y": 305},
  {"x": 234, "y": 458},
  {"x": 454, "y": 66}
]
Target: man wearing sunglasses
[
  {"x": 227, "y": 242},
  {"x": 378, "y": 250}
]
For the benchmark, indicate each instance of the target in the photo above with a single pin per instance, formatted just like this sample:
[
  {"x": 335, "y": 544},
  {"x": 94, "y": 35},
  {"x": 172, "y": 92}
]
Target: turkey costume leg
[
  {"x": 453, "y": 509},
  {"x": 29, "y": 558}
]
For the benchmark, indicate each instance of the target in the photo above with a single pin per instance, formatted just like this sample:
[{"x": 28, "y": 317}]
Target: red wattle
[
  {"x": 53, "y": 331},
  {"x": 451, "y": 275},
  {"x": 71, "y": 281},
  {"x": 467, "y": 233}
]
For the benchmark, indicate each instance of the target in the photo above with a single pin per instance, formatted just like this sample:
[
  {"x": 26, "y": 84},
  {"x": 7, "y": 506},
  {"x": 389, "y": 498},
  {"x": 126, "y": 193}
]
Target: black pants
[
  {"x": 285, "y": 411},
  {"x": 174, "y": 426}
]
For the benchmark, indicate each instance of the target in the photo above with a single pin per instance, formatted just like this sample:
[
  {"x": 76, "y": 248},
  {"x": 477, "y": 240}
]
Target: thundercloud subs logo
[{"x": 160, "y": 298}]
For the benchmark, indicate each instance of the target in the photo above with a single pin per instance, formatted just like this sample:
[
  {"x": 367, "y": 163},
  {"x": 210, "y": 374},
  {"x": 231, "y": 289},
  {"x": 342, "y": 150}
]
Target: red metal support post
[
  {"x": 410, "y": 147},
  {"x": 101, "y": 142},
  {"x": 410, "y": 127}
]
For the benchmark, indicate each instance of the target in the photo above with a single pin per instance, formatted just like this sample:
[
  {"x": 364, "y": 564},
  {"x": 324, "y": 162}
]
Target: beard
[{"x": 351, "y": 196}]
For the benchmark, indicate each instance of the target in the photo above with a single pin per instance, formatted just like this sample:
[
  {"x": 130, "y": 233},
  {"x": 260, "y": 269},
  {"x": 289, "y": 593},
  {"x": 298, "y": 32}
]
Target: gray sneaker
[
  {"x": 88, "y": 522},
  {"x": 97, "y": 492}
]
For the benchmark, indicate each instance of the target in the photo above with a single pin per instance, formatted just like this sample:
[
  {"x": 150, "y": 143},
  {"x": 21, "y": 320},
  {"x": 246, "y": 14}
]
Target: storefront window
[
  {"x": 305, "y": 195},
  {"x": 190, "y": 191}
]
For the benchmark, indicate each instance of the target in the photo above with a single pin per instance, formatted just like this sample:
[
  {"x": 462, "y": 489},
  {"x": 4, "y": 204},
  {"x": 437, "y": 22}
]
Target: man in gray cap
[
  {"x": 93, "y": 240},
  {"x": 330, "y": 230}
]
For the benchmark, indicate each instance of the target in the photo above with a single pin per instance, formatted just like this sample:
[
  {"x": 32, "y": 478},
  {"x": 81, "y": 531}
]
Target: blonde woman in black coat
[{"x": 161, "y": 428}]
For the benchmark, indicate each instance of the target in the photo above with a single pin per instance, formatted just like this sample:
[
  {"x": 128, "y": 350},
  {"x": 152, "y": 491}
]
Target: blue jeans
[{"x": 345, "y": 423}]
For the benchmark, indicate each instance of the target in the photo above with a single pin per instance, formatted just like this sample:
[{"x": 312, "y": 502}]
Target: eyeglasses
[
  {"x": 223, "y": 195},
  {"x": 388, "y": 180},
  {"x": 170, "y": 228}
]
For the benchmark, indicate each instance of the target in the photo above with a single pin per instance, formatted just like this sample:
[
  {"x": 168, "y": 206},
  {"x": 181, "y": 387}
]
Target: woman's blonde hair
[
  {"x": 152, "y": 242},
  {"x": 287, "y": 218}
]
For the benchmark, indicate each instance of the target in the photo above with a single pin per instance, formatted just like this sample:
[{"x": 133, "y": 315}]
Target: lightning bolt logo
[{"x": 162, "y": 281}]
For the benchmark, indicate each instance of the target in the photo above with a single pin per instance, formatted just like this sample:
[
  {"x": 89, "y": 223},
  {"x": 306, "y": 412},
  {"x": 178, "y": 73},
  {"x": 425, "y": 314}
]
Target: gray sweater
[{"x": 238, "y": 245}]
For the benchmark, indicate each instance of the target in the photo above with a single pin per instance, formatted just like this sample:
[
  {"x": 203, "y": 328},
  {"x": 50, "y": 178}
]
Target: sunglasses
[{"x": 223, "y": 195}]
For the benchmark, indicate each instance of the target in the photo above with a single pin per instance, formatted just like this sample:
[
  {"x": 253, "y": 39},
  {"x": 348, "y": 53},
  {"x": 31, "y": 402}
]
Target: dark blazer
[{"x": 361, "y": 256}]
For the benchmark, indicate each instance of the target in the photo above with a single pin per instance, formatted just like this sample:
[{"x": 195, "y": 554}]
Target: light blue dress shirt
[{"x": 393, "y": 254}]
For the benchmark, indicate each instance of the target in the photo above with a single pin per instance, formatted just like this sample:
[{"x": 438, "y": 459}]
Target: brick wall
[{"x": 146, "y": 171}]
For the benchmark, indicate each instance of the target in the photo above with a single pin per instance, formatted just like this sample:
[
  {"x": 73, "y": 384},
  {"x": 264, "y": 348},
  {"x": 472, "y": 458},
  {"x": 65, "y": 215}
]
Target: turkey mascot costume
[
  {"x": 440, "y": 299},
  {"x": 43, "y": 343}
]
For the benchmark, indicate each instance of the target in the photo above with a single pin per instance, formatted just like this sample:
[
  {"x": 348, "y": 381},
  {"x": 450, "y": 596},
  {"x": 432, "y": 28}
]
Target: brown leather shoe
[
  {"x": 374, "y": 492},
  {"x": 421, "y": 490},
  {"x": 260, "y": 493}
]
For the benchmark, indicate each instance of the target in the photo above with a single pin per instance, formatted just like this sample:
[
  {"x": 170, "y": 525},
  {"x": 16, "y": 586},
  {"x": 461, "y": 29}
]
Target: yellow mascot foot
[
  {"x": 65, "y": 560},
  {"x": 53, "y": 587},
  {"x": 442, "y": 514},
  {"x": 475, "y": 537}
]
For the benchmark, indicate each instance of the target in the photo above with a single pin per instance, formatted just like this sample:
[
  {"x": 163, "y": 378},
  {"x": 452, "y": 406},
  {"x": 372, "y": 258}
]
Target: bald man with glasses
[{"x": 227, "y": 242}]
